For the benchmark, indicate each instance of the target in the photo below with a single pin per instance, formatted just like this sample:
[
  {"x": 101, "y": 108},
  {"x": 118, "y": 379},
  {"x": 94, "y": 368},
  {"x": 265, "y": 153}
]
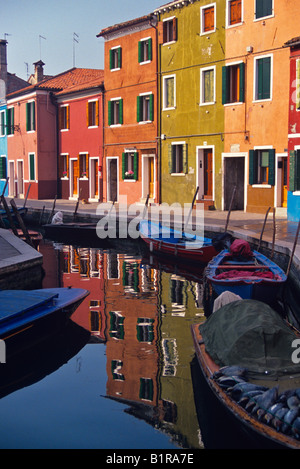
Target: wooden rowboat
[
  {"x": 181, "y": 245},
  {"x": 263, "y": 434},
  {"x": 255, "y": 277}
]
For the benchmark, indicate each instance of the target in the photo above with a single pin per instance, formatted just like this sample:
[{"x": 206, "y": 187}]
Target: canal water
[{"x": 122, "y": 374}]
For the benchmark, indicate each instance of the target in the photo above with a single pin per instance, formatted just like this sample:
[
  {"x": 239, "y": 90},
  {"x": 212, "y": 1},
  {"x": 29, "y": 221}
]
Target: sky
[{"x": 45, "y": 30}]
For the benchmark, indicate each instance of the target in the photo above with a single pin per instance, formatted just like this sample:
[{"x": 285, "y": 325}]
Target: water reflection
[{"x": 143, "y": 315}]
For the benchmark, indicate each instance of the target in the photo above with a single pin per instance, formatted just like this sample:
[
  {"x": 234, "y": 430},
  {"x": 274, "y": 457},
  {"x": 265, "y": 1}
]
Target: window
[
  {"x": 169, "y": 96},
  {"x": 115, "y": 112},
  {"x": 115, "y": 58},
  {"x": 63, "y": 166},
  {"x": 208, "y": 19},
  {"x": 178, "y": 158},
  {"x": 262, "y": 167},
  {"x": 234, "y": 12},
  {"x": 145, "y": 330},
  {"x": 207, "y": 86},
  {"x": 262, "y": 80},
  {"x": 92, "y": 113},
  {"x": 145, "y": 50},
  {"x": 145, "y": 108},
  {"x": 263, "y": 8},
  {"x": 83, "y": 165},
  {"x": 64, "y": 117},
  {"x": 10, "y": 121},
  {"x": 294, "y": 171},
  {"x": 116, "y": 329},
  {"x": 31, "y": 167},
  {"x": 146, "y": 389},
  {"x": 30, "y": 116},
  {"x": 169, "y": 30},
  {"x": 3, "y": 167},
  {"x": 116, "y": 366},
  {"x": 233, "y": 80},
  {"x": 2, "y": 123},
  {"x": 130, "y": 165}
]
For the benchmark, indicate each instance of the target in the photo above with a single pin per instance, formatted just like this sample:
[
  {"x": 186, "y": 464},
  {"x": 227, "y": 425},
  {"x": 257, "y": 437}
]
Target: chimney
[
  {"x": 39, "y": 71},
  {"x": 3, "y": 60}
]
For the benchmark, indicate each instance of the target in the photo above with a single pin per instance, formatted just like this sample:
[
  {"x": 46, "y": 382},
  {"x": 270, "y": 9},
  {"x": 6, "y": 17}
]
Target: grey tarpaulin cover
[{"x": 251, "y": 334}]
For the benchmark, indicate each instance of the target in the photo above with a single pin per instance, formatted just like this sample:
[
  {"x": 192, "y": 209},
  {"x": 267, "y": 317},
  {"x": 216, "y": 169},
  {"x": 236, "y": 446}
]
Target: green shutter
[
  {"x": 292, "y": 182},
  {"x": 136, "y": 166},
  {"x": 27, "y": 116},
  {"x": 124, "y": 165},
  {"x": 150, "y": 48},
  {"x": 242, "y": 82},
  {"x": 170, "y": 159},
  {"x": 264, "y": 78},
  {"x": 138, "y": 109},
  {"x": 8, "y": 122},
  {"x": 225, "y": 82},
  {"x": 120, "y": 57},
  {"x": 151, "y": 97},
  {"x": 140, "y": 51},
  {"x": 121, "y": 111},
  {"x": 12, "y": 120},
  {"x": 185, "y": 158},
  {"x": 252, "y": 167},
  {"x": 109, "y": 112},
  {"x": 259, "y": 9},
  {"x": 33, "y": 115},
  {"x": 31, "y": 167},
  {"x": 111, "y": 57},
  {"x": 271, "y": 177},
  {"x": 2, "y": 167}
]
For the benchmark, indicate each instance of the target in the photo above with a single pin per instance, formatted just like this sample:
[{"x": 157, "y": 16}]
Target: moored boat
[
  {"x": 175, "y": 243},
  {"x": 24, "y": 310},
  {"x": 244, "y": 351},
  {"x": 246, "y": 273}
]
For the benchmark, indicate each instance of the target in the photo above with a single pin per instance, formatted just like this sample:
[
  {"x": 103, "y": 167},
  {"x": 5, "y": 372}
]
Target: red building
[
  {"x": 80, "y": 137},
  {"x": 130, "y": 162},
  {"x": 32, "y": 132}
]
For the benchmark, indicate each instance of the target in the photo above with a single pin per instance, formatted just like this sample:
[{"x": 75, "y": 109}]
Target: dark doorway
[{"x": 234, "y": 175}]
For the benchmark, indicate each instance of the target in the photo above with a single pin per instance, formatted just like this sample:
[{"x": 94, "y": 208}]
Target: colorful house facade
[
  {"x": 293, "y": 179},
  {"x": 256, "y": 99},
  {"x": 130, "y": 160},
  {"x": 191, "y": 122},
  {"x": 33, "y": 135},
  {"x": 80, "y": 137}
]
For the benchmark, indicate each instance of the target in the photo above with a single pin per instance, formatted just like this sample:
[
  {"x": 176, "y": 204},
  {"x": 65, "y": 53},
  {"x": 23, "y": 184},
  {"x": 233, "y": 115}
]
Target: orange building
[
  {"x": 256, "y": 100},
  {"x": 130, "y": 163}
]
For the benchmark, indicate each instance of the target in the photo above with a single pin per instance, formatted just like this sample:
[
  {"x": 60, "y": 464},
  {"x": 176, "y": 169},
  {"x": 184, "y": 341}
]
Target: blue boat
[
  {"x": 22, "y": 310},
  {"x": 251, "y": 276}
]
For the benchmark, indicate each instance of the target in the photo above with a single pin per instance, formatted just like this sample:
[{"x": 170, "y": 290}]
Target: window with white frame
[
  {"x": 64, "y": 117},
  {"x": 169, "y": 92},
  {"x": 263, "y": 78},
  {"x": 207, "y": 85},
  {"x": 115, "y": 58},
  {"x": 145, "y": 108},
  {"x": 115, "y": 111},
  {"x": 30, "y": 116},
  {"x": 263, "y": 8},
  {"x": 169, "y": 30},
  {"x": 178, "y": 158},
  {"x": 233, "y": 83},
  {"x": 31, "y": 162},
  {"x": 145, "y": 50},
  {"x": 93, "y": 113},
  {"x": 234, "y": 12},
  {"x": 208, "y": 18}
]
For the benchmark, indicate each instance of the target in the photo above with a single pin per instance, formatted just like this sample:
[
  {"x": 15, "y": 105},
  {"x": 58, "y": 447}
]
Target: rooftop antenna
[
  {"x": 6, "y": 35},
  {"x": 75, "y": 39},
  {"x": 27, "y": 69},
  {"x": 41, "y": 37}
]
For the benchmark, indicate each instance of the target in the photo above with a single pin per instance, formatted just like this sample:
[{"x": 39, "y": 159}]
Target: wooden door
[
  {"x": 75, "y": 176},
  {"x": 208, "y": 173},
  {"x": 234, "y": 177},
  {"x": 151, "y": 177}
]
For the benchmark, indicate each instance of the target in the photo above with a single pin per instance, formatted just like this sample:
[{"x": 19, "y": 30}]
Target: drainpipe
[{"x": 158, "y": 107}]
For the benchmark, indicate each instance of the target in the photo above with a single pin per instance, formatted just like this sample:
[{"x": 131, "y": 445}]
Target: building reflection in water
[{"x": 143, "y": 315}]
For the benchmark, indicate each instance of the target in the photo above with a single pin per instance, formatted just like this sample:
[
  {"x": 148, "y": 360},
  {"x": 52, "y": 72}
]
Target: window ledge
[
  {"x": 145, "y": 62},
  {"x": 64, "y": 179},
  {"x": 258, "y": 101},
  {"x": 115, "y": 125},
  {"x": 93, "y": 127},
  {"x": 168, "y": 43},
  {"x": 129, "y": 180},
  {"x": 229, "y": 26},
  {"x": 145, "y": 122},
  {"x": 237, "y": 103},
  {"x": 262, "y": 18},
  {"x": 177, "y": 174},
  {"x": 64, "y": 130},
  {"x": 261, "y": 186},
  {"x": 210, "y": 103},
  {"x": 296, "y": 193}
]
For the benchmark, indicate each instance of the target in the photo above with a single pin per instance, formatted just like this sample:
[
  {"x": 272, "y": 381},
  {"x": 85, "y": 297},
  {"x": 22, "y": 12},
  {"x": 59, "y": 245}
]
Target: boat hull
[
  {"x": 265, "y": 436},
  {"x": 178, "y": 245}
]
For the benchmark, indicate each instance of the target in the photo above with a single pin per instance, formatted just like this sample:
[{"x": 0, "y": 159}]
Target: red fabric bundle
[
  {"x": 240, "y": 247},
  {"x": 244, "y": 274}
]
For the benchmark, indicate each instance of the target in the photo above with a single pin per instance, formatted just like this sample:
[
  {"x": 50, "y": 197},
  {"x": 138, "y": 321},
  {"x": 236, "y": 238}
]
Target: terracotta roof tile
[{"x": 126, "y": 24}]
